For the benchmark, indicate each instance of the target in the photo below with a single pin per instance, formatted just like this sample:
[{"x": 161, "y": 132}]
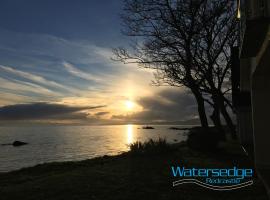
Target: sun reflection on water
[{"x": 130, "y": 137}]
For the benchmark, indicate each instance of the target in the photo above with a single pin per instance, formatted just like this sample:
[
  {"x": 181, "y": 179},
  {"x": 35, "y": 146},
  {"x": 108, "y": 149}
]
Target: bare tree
[
  {"x": 182, "y": 40},
  {"x": 219, "y": 34}
]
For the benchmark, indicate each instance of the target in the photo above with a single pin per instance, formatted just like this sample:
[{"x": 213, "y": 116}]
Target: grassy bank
[{"x": 133, "y": 175}]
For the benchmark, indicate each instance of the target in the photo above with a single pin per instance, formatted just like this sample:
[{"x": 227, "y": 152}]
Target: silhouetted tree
[
  {"x": 187, "y": 43},
  {"x": 219, "y": 34}
]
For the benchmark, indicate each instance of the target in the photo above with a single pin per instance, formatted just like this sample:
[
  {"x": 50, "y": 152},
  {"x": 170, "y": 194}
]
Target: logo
[{"x": 214, "y": 179}]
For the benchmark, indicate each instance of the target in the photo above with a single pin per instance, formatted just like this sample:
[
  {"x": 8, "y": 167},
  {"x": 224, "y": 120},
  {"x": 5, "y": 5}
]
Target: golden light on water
[{"x": 130, "y": 136}]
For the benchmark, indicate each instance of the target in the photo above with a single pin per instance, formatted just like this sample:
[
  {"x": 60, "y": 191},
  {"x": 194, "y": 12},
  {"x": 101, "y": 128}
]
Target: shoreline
[
  {"x": 21, "y": 157},
  {"x": 126, "y": 176},
  {"x": 123, "y": 153}
]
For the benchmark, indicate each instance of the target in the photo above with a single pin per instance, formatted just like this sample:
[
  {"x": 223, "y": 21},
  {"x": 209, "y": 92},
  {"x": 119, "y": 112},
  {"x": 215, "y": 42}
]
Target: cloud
[
  {"x": 42, "y": 110},
  {"x": 76, "y": 72},
  {"x": 21, "y": 87},
  {"x": 32, "y": 77},
  {"x": 7, "y": 97},
  {"x": 50, "y": 47},
  {"x": 98, "y": 114},
  {"x": 165, "y": 106}
]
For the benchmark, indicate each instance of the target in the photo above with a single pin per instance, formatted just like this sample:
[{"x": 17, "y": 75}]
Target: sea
[{"x": 55, "y": 143}]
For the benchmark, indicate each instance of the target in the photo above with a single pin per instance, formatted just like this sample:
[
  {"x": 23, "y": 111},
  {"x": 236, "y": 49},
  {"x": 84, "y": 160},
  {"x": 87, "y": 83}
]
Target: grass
[
  {"x": 150, "y": 147},
  {"x": 142, "y": 173}
]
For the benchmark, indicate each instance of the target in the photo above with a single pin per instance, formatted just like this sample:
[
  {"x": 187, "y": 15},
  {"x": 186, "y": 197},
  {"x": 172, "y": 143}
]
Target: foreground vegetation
[{"x": 142, "y": 173}]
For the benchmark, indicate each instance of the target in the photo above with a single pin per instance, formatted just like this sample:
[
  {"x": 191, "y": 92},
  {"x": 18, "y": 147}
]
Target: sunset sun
[{"x": 129, "y": 104}]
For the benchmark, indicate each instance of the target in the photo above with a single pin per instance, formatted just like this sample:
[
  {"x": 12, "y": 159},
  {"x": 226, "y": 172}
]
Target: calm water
[{"x": 63, "y": 143}]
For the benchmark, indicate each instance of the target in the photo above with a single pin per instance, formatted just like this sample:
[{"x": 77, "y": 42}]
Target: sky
[{"x": 56, "y": 67}]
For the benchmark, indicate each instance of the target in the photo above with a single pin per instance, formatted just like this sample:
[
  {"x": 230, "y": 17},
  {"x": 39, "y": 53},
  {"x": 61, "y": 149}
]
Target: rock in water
[
  {"x": 148, "y": 127},
  {"x": 18, "y": 143}
]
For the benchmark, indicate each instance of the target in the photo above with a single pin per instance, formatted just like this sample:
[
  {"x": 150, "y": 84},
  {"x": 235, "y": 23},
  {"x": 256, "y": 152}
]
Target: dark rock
[
  {"x": 18, "y": 143},
  {"x": 148, "y": 127}
]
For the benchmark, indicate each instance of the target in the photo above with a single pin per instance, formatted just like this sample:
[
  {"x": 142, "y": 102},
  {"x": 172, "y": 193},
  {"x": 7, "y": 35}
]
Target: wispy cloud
[
  {"x": 17, "y": 86},
  {"x": 7, "y": 98},
  {"x": 76, "y": 72},
  {"x": 33, "y": 77}
]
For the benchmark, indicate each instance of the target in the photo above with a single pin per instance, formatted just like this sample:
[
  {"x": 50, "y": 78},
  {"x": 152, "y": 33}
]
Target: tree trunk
[
  {"x": 220, "y": 101},
  {"x": 228, "y": 120},
  {"x": 215, "y": 117},
  {"x": 201, "y": 107}
]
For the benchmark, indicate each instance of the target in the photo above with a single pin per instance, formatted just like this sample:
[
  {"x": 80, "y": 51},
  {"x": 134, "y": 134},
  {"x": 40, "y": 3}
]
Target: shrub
[{"x": 150, "y": 147}]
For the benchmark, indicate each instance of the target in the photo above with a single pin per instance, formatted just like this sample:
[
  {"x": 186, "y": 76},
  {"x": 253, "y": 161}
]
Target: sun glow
[{"x": 129, "y": 104}]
